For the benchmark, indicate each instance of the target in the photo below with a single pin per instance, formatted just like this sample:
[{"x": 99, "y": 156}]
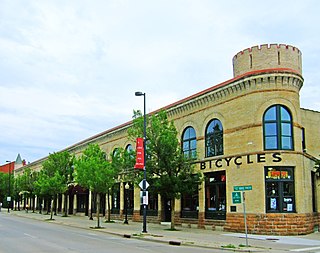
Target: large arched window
[
  {"x": 129, "y": 148},
  {"x": 277, "y": 128},
  {"x": 189, "y": 143},
  {"x": 214, "y": 138}
]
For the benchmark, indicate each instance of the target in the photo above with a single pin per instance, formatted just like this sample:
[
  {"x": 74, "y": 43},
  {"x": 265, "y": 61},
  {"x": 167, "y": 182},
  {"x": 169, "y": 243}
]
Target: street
[{"x": 25, "y": 235}]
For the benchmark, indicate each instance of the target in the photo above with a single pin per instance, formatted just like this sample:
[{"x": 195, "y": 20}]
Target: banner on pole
[{"x": 140, "y": 154}]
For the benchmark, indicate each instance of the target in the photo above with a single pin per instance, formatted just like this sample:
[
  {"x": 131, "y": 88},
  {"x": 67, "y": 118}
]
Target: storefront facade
[{"x": 248, "y": 134}]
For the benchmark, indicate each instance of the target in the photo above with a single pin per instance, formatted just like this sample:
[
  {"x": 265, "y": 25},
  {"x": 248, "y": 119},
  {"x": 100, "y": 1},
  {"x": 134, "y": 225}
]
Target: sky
[{"x": 69, "y": 69}]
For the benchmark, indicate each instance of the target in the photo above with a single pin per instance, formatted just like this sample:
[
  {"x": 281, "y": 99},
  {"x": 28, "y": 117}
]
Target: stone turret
[{"x": 273, "y": 56}]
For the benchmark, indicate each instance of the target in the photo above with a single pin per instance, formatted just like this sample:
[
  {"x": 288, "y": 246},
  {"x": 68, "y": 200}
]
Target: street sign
[
  {"x": 236, "y": 197},
  {"x": 144, "y": 199},
  {"x": 141, "y": 184},
  {"x": 242, "y": 188}
]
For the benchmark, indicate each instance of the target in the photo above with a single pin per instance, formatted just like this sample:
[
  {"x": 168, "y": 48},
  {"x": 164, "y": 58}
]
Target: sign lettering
[
  {"x": 239, "y": 160},
  {"x": 140, "y": 154}
]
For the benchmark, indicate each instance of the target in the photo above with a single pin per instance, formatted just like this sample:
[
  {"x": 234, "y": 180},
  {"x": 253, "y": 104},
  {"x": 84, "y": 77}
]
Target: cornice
[{"x": 255, "y": 81}]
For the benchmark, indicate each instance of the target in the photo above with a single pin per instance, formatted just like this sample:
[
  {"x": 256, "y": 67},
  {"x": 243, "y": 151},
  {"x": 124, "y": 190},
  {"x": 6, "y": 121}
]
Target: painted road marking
[{"x": 305, "y": 249}]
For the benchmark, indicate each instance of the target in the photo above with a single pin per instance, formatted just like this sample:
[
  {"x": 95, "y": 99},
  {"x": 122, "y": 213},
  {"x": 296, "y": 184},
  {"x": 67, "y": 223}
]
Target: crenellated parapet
[{"x": 267, "y": 56}]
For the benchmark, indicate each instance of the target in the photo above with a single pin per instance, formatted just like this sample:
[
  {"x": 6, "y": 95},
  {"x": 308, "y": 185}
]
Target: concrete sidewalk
[{"x": 185, "y": 236}]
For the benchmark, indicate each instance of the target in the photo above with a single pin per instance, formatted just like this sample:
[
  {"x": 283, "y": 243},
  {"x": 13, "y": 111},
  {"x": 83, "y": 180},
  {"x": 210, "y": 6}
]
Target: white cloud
[{"x": 69, "y": 69}]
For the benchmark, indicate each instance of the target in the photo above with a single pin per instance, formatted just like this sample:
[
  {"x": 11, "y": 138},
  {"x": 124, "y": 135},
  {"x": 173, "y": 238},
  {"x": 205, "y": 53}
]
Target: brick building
[{"x": 251, "y": 136}]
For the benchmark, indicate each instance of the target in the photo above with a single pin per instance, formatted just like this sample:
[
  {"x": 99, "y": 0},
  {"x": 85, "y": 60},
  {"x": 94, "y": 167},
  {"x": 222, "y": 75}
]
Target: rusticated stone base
[{"x": 273, "y": 223}]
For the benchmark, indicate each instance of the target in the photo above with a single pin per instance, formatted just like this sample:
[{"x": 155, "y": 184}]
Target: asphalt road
[{"x": 22, "y": 235}]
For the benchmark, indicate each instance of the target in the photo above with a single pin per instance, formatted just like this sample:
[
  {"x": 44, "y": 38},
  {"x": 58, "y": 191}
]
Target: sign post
[
  {"x": 235, "y": 200},
  {"x": 245, "y": 216}
]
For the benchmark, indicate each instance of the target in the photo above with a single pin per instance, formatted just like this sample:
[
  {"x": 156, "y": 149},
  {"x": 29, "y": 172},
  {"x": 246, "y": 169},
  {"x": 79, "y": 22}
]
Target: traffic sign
[
  {"x": 242, "y": 188},
  {"x": 141, "y": 184},
  {"x": 236, "y": 197}
]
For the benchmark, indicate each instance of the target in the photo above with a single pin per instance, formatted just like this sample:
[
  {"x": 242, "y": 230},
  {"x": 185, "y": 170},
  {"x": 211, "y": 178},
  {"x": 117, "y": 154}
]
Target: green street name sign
[
  {"x": 242, "y": 188},
  {"x": 236, "y": 197}
]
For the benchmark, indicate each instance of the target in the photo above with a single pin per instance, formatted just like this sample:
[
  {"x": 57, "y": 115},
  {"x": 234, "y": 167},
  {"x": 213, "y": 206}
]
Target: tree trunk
[
  {"x": 48, "y": 205},
  {"x": 109, "y": 209},
  {"x": 52, "y": 206},
  {"x": 65, "y": 204},
  {"x": 172, "y": 213},
  {"x": 33, "y": 203},
  {"x": 98, "y": 210}
]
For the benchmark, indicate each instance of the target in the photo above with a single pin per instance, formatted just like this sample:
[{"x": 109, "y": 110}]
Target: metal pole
[
  {"x": 245, "y": 217},
  {"x": 144, "y": 230},
  {"x": 126, "y": 188},
  {"x": 144, "y": 183},
  {"x": 9, "y": 200}
]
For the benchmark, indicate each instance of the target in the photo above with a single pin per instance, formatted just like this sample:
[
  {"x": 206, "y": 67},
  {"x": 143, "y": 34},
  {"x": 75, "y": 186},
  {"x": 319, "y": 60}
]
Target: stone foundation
[{"x": 273, "y": 223}]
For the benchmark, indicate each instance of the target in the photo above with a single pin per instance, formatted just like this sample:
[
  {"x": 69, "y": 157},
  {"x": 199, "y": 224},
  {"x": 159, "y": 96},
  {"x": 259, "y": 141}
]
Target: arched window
[
  {"x": 277, "y": 128},
  {"x": 189, "y": 143},
  {"x": 129, "y": 148},
  {"x": 115, "y": 152},
  {"x": 214, "y": 138},
  {"x": 130, "y": 151}
]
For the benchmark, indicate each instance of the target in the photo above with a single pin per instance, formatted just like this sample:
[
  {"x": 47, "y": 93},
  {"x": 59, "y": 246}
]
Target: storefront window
[
  {"x": 152, "y": 207},
  {"x": 214, "y": 138},
  {"x": 280, "y": 195},
  {"x": 190, "y": 205},
  {"x": 215, "y": 195}
]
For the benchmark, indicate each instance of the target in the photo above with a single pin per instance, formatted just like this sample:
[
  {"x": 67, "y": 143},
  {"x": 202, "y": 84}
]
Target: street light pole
[
  {"x": 144, "y": 184},
  {"x": 126, "y": 188},
  {"x": 9, "y": 192}
]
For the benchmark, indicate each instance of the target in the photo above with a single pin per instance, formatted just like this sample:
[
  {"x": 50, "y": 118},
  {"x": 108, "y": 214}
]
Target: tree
[
  {"x": 168, "y": 171},
  {"x": 63, "y": 163},
  {"x": 122, "y": 162},
  {"x": 4, "y": 187},
  {"x": 95, "y": 173},
  {"x": 26, "y": 185},
  {"x": 50, "y": 181}
]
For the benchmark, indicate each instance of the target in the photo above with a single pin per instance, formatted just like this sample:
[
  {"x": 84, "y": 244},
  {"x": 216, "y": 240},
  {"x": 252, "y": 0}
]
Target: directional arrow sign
[{"x": 141, "y": 185}]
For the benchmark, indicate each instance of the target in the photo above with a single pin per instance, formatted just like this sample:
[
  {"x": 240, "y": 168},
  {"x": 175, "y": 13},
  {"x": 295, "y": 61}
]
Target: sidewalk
[{"x": 185, "y": 236}]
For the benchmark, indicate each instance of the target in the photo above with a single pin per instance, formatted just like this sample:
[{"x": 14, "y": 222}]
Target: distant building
[
  {"x": 11, "y": 166},
  {"x": 250, "y": 135}
]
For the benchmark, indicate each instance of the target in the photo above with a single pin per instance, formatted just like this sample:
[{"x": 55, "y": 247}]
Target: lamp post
[
  {"x": 144, "y": 184},
  {"x": 9, "y": 198},
  {"x": 126, "y": 187}
]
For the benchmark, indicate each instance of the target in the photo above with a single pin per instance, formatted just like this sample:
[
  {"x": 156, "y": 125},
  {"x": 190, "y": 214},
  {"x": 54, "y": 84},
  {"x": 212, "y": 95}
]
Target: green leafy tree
[
  {"x": 50, "y": 182},
  {"x": 169, "y": 172},
  {"x": 63, "y": 163},
  {"x": 26, "y": 183},
  {"x": 95, "y": 173},
  {"x": 4, "y": 187},
  {"x": 122, "y": 162},
  {"x": 17, "y": 190}
]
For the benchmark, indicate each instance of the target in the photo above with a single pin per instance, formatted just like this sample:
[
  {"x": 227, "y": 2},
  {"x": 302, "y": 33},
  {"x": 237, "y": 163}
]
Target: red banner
[{"x": 140, "y": 154}]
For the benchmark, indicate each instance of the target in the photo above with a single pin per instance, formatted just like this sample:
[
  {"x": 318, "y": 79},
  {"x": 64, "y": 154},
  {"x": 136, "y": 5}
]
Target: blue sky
[{"x": 69, "y": 69}]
